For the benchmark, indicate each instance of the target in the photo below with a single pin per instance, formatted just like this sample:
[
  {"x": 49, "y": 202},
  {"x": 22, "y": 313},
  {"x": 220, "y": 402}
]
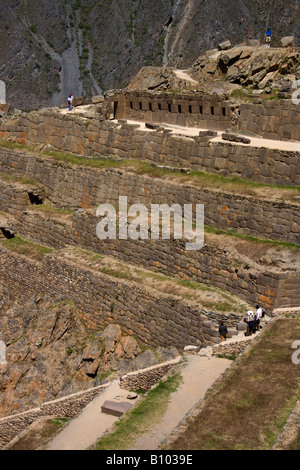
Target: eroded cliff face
[{"x": 49, "y": 48}]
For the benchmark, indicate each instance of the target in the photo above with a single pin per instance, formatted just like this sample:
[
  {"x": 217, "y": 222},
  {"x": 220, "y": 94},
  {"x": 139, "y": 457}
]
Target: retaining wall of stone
[
  {"x": 209, "y": 265},
  {"x": 72, "y": 187},
  {"x": 101, "y": 300},
  {"x": 230, "y": 349},
  {"x": 279, "y": 119},
  {"x": 109, "y": 139},
  {"x": 14, "y": 198}
]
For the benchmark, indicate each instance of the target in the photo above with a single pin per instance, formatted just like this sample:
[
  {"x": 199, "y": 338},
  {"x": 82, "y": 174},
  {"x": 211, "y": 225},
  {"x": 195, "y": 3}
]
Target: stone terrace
[{"x": 71, "y": 192}]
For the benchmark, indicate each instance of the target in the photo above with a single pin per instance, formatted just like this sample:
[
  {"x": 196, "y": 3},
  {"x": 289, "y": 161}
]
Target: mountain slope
[{"x": 49, "y": 48}]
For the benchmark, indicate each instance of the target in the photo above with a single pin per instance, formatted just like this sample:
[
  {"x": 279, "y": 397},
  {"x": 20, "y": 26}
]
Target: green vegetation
[
  {"x": 33, "y": 29},
  {"x": 25, "y": 247},
  {"x": 48, "y": 209},
  {"x": 140, "y": 420},
  {"x": 246, "y": 94},
  {"x": 197, "y": 178},
  {"x": 249, "y": 407},
  {"x": 250, "y": 238},
  {"x": 20, "y": 179}
]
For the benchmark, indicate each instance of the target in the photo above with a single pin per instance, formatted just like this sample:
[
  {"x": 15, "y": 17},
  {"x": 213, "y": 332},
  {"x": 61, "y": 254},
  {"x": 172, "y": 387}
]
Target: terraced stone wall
[
  {"x": 72, "y": 187},
  {"x": 278, "y": 119},
  {"x": 157, "y": 321},
  {"x": 108, "y": 139},
  {"x": 209, "y": 265}
]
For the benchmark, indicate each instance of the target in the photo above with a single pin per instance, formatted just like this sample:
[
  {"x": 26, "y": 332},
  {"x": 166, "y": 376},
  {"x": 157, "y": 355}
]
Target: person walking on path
[
  {"x": 70, "y": 101},
  {"x": 258, "y": 315},
  {"x": 268, "y": 36},
  {"x": 223, "y": 331}
]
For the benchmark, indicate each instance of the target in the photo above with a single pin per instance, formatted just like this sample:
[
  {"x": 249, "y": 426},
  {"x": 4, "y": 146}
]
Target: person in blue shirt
[{"x": 268, "y": 36}]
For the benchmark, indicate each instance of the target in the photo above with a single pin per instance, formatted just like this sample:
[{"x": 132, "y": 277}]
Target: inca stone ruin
[{"x": 123, "y": 297}]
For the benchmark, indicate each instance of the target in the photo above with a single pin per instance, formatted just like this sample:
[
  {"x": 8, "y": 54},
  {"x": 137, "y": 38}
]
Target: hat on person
[{"x": 250, "y": 313}]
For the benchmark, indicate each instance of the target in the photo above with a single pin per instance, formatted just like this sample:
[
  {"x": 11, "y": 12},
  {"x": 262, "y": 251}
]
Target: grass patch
[
  {"x": 39, "y": 434},
  {"x": 49, "y": 209},
  {"x": 83, "y": 161},
  {"x": 244, "y": 94},
  {"x": 140, "y": 420},
  {"x": 249, "y": 407},
  {"x": 139, "y": 167},
  {"x": 25, "y": 247},
  {"x": 251, "y": 238},
  {"x": 19, "y": 179}
]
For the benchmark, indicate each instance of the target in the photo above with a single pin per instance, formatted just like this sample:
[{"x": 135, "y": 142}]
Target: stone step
[{"x": 115, "y": 408}]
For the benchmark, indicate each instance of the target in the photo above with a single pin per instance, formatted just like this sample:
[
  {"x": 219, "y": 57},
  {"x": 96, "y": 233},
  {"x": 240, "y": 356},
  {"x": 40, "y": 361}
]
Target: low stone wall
[
  {"x": 72, "y": 187},
  {"x": 230, "y": 349},
  {"x": 145, "y": 379},
  {"x": 69, "y": 406},
  {"x": 109, "y": 139}
]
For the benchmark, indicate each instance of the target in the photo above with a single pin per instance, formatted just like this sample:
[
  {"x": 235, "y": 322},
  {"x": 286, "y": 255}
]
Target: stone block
[
  {"x": 223, "y": 46},
  {"x": 115, "y": 408},
  {"x": 150, "y": 125}
]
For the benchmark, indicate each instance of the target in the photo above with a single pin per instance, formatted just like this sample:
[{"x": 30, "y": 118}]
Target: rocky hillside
[
  {"x": 49, "y": 48},
  {"x": 50, "y": 353},
  {"x": 241, "y": 72}
]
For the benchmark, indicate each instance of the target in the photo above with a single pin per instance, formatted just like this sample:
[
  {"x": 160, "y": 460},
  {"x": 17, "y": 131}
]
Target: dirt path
[
  {"x": 198, "y": 375},
  {"x": 90, "y": 424}
]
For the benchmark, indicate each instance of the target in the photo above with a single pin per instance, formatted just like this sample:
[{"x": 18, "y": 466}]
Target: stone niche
[{"x": 2, "y": 92}]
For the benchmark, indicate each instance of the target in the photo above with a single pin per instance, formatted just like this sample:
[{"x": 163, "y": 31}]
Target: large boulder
[
  {"x": 287, "y": 41},
  {"x": 98, "y": 99},
  {"x": 111, "y": 335}
]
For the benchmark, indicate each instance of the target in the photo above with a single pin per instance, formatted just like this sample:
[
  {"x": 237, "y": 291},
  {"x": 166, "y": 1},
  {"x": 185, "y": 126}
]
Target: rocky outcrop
[
  {"x": 253, "y": 67},
  {"x": 50, "y": 354}
]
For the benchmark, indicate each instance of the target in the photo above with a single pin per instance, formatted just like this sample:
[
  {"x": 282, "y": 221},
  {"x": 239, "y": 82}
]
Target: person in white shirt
[
  {"x": 258, "y": 316},
  {"x": 70, "y": 101}
]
